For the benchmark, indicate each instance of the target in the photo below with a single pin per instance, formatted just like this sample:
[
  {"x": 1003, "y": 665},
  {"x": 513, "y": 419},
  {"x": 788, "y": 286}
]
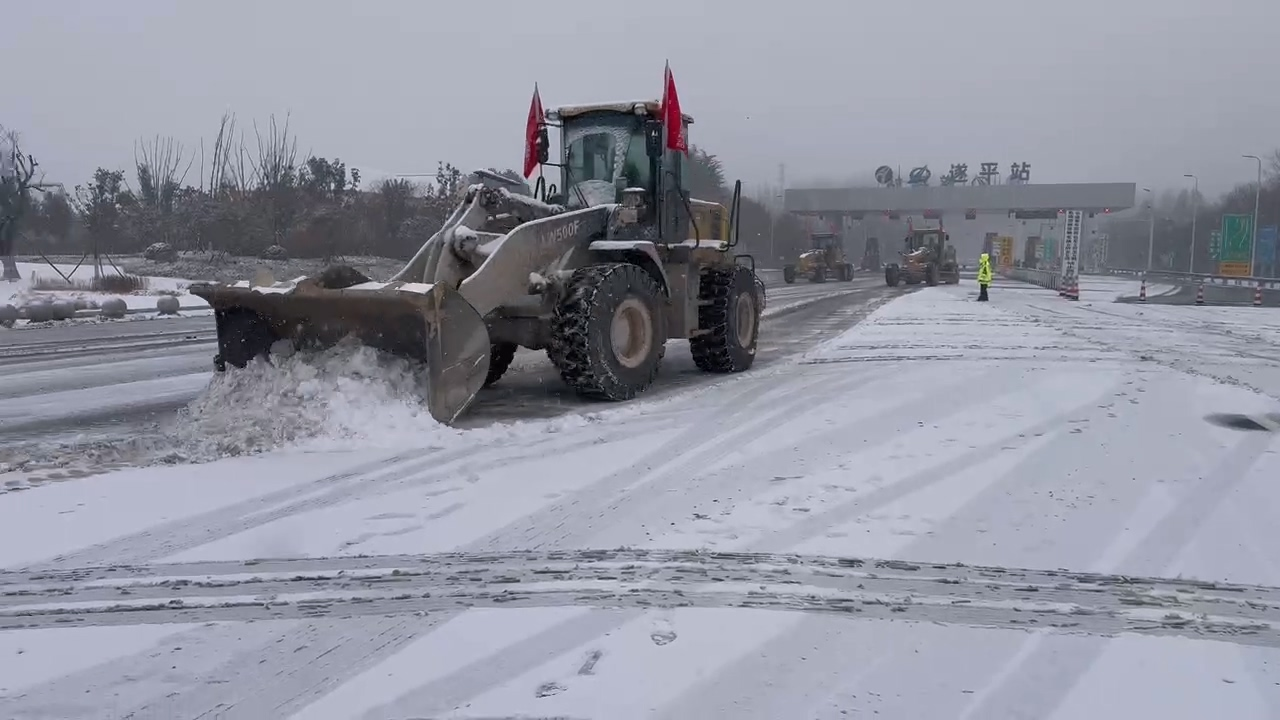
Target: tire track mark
[
  {"x": 984, "y": 596},
  {"x": 270, "y": 671},
  {"x": 948, "y": 539},
  {"x": 754, "y": 474},
  {"x": 680, "y": 455},
  {"x": 821, "y": 521},
  {"x": 419, "y": 468},
  {"x": 1158, "y": 549},
  {"x": 474, "y": 679}
]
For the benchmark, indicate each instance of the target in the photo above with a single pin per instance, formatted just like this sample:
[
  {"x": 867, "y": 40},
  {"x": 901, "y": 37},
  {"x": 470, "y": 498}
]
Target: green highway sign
[
  {"x": 1237, "y": 238},
  {"x": 1215, "y": 244}
]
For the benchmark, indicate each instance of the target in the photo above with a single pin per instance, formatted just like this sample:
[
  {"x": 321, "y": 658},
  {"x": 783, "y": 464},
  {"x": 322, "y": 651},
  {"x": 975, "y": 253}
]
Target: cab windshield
[{"x": 604, "y": 150}]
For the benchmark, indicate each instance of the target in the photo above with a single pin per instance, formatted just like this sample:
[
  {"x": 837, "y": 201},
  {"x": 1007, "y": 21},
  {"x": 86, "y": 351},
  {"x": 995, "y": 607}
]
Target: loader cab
[
  {"x": 931, "y": 238},
  {"x": 609, "y": 148}
]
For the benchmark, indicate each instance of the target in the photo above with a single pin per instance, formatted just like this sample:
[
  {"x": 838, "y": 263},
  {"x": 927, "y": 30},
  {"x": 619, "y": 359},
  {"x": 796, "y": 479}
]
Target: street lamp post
[
  {"x": 1195, "y": 202},
  {"x": 1151, "y": 227},
  {"x": 1257, "y": 195}
]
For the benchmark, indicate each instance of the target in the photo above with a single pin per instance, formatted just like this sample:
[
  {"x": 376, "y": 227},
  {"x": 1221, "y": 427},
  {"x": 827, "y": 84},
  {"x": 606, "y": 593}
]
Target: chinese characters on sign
[
  {"x": 959, "y": 175},
  {"x": 1019, "y": 174}
]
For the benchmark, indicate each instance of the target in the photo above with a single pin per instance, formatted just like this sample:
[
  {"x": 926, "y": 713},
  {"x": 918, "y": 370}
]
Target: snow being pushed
[{"x": 344, "y": 397}]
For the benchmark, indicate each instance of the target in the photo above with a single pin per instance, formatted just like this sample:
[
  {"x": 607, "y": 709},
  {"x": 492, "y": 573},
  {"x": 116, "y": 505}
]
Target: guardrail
[
  {"x": 1050, "y": 279},
  {"x": 1207, "y": 278}
]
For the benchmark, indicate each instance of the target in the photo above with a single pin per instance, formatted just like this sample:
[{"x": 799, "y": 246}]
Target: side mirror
[
  {"x": 543, "y": 145},
  {"x": 735, "y": 214},
  {"x": 653, "y": 138}
]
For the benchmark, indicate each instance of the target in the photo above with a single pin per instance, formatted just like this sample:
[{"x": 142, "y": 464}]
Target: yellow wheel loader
[
  {"x": 928, "y": 257},
  {"x": 825, "y": 260},
  {"x": 600, "y": 275}
]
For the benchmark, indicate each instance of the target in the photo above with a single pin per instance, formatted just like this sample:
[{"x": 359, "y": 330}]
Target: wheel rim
[
  {"x": 632, "y": 333},
  {"x": 745, "y": 319}
]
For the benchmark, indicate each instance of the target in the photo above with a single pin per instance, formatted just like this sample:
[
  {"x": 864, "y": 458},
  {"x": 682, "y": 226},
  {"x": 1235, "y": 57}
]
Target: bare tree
[
  {"x": 219, "y": 178},
  {"x": 160, "y": 171},
  {"x": 16, "y": 173},
  {"x": 275, "y": 176}
]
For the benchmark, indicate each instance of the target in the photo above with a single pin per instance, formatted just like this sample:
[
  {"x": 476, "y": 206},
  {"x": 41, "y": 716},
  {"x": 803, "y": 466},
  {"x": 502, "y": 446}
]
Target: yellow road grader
[
  {"x": 825, "y": 260},
  {"x": 600, "y": 274}
]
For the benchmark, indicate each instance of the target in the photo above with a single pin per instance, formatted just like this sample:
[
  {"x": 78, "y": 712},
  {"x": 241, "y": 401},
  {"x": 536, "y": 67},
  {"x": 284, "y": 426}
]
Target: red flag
[
  {"x": 531, "y": 133},
  {"x": 671, "y": 115}
]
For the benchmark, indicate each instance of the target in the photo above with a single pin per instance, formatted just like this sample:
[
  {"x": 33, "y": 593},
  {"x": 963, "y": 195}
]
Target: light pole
[
  {"x": 1151, "y": 227},
  {"x": 1257, "y": 194},
  {"x": 1195, "y": 202}
]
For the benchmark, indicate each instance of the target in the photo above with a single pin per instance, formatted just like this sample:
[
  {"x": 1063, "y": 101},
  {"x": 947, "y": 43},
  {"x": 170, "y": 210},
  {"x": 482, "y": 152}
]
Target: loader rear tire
[
  {"x": 242, "y": 336},
  {"x": 609, "y": 332},
  {"x": 729, "y": 310},
  {"x": 500, "y": 357},
  {"x": 788, "y": 274}
]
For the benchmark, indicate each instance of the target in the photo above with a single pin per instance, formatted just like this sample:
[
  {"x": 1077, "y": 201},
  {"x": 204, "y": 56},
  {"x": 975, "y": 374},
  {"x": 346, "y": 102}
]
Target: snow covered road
[
  {"x": 79, "y": 395},
  {"x": 952, "y": 509}
]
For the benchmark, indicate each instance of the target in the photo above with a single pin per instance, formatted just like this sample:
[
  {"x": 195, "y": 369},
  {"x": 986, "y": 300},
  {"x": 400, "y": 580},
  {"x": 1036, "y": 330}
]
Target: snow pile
[{"x": 345, "y": 397}]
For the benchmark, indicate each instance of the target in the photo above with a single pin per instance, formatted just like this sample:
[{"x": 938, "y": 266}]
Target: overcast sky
[{"x": 1086, "y": 90}]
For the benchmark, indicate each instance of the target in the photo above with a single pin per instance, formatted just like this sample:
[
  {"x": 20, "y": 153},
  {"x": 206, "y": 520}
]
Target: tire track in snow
[
  {"x": 472, "y": 680},
  {"x": 823, "y": 520},
  {"x": 678, "y": 457},
  {"x": 757, "y": 475},
  {"x": 754, "y": 474},
  {"x": 1159, "y": 548},
  {"x": 417, "y": 468},
  {"x": 1185, "y": 360},
  {"x": 1037, "y": 471},
  {"x": 984, "y": 596},
  {"x": 285, "y": 666},
  {"x": 306, "y": 665}
]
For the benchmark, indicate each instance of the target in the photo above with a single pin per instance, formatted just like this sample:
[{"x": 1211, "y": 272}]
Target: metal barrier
[
  {"x": 1196, "y": 278},
  {"x": 1050, "y": 279}
]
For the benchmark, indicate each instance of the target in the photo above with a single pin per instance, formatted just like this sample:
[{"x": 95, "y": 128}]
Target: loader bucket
[{"x": 429, "y": 323}]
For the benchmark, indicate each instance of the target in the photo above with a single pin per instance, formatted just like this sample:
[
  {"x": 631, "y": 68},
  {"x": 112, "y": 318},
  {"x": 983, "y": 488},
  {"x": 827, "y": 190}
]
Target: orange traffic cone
[
  {"x": 1200, "y": 293},
  {"x": 1142, "y": 291},
  {"x": 1257, "y": 295}
]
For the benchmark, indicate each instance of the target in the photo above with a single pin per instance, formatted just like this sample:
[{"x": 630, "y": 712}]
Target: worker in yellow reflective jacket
[{"x": 984, "y": 276}]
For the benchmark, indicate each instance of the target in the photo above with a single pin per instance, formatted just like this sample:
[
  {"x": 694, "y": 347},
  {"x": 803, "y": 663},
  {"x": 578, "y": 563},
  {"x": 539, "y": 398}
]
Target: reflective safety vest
[{"x": 984, "y": 269}]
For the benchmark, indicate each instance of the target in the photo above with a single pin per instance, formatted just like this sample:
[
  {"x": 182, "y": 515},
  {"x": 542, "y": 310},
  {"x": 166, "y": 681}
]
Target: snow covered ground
[
  {"x": 952, "y": 510},
  {"x": 21, "y": 292}
]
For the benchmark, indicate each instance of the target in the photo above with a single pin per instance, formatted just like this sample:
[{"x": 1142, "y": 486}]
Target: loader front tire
[
  {"x": 609, "y": 332},
  {"x": 729, "y": 313},
  {"x": 500, "y": 357},
  {"x": 242, "y": 336}
]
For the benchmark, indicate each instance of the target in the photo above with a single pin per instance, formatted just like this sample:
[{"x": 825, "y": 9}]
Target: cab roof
[{"x": 625, "y": 107}]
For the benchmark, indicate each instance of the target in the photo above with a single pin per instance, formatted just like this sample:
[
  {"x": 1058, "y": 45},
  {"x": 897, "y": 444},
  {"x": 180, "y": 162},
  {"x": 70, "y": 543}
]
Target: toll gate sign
[{"x": 1004, "y": 252}]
